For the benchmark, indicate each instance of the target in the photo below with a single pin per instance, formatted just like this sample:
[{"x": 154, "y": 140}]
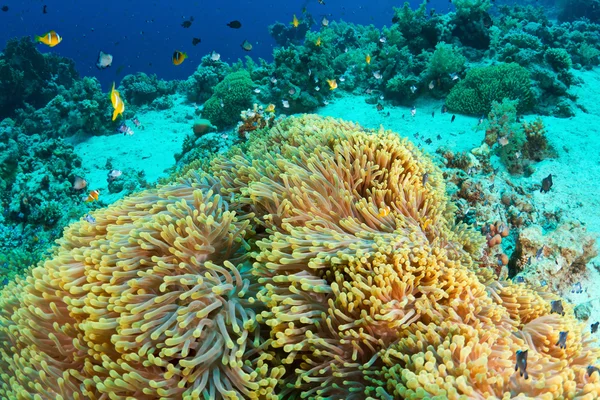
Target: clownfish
[
  {"x": 93, "y": 196},
  {"x": 50, "y": 39},
  {"x": 179, "y": 57},
  {"x": 117, "y": 102}
]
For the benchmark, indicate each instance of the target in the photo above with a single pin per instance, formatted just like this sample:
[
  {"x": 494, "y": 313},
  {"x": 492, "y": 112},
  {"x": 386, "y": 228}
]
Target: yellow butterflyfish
[
  {"x": 117, "y": 102},
  {"x": 295, "y": 21},
  {"x": 368, "y": 59}
]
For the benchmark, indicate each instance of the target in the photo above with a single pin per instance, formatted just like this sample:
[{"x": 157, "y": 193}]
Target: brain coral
[{"x": 319, "y": 261}]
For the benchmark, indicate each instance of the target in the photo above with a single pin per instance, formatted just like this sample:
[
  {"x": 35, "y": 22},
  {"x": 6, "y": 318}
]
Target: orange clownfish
[
  {"x": 117, "y": 102},
  {"x": 178, "y": 57},
  {"x": 332, "y": 84},
  {"x": 50, "y": 39},
  {"x": 270, "y": 108},
  {"x": 368, "y": 59},
  {"x": 295, "y": 21},
  {"x": 93, "y": 196},
  {"x": 384, "y": 212},
  {"x": 318, "y": 42}
]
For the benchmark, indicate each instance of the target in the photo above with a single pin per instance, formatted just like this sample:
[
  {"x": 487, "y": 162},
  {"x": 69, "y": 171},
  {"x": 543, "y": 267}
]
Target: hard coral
[
  {"x": 230, "y": 97},
  {"x": 484, "y": 85},
  {"x": 314, "y": 262}
]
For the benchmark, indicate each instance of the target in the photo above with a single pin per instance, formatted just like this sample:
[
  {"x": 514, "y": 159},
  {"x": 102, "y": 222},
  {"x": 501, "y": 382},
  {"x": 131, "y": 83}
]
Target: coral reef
[
  {"x": 140, "y": 89},
  {"x": 484, "y": 85},
  {"x": 230, "y": 97},
  {"x": 199, "y": 86},
  {"x": 315, "y": 261}
]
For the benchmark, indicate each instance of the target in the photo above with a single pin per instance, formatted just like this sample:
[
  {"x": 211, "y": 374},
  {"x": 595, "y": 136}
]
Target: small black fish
[
  {"x": 594, "y": 327},
  {"x": 195, "y": 41},
  {"x": 453, "y": 118},
  {"x": 428, "y": 141},
  {"x": 235, "y": 24},
  {"x": 562, "y": 339},
  {"x": 591, "y": 369},
  {"x": 444, "y": 109},
  {"x": 5, "y": 8},
  {"x": 45, "y": 9},
  {"x": 521, "y": 364},
  {"x": 425, "y": 178},
  {"x": 395, "y": 19},
  {"x": 379, "y": 107},
  {"x": 546, "y": 184},
  {"x": 439, "y": 137},
  {"x": 577, "y": 288},
  {"x": 557, "y": 307},
  {"x": 432, "y": 114},
  {"x": 187, "y": 24}
]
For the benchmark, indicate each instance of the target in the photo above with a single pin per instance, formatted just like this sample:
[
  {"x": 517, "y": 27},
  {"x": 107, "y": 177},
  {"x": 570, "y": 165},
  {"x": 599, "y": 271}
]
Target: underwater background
[{"x": 304, "y": 199}]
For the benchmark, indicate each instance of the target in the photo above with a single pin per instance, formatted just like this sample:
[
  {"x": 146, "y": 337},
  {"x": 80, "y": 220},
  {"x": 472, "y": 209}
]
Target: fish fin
[
  {"x": 115, "y": 114},
  {"x": 38, "y": 39}
]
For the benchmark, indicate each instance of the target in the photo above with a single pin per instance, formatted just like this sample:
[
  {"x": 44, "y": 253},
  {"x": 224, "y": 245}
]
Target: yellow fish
[
  {"x": 318, "y": 42},
  {"x": 368, "y": 59},
  {"x": 50, "y": 39},
  {"x": 332, "y": 84},
  {"x": 384, "y": 212},
  {"x": 178, "y": 57},
  {"x": 295, "y": 21},
  {"x": 117, "y": 102},
  {"x": 270, "y": 108}
]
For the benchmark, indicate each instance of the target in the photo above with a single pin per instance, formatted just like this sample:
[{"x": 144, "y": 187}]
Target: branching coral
[{"x": 319, "y": 260}]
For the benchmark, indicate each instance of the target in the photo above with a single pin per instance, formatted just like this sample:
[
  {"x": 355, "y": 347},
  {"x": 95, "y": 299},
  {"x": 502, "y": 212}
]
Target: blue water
[{"x": 142, "y": 35}]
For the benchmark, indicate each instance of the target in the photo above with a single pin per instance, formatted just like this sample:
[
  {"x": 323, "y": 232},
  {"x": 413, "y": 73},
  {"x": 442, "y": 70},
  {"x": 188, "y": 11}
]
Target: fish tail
[
  {"x": 38, "y": 38},
  {"x": 115, "y": 114}
]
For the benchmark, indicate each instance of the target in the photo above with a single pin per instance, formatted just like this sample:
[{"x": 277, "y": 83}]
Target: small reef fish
[
  {"x": 503, "y": 141},
  {"x": 270, "y": 108},
  {"x": 234, "y": 24},
  {"x": 196, "y": 41},
  {"x": 562, "y": 339},
  {"x": 518, "y": 155},
  {"x": 520, "y": 279},
  {"x": 325, "y": 102},
  {"x": 591, "y": 369},
  {"x": 342, "y": 79},
  {"x": 368, "y": 59},
  {"x": 325, "y": 22},
  {"x": 539, "y": 253},
  {"x": 114, "y": 174},
  {"x": 413, "y": 111},
  {"x": 215, "y": 56},
  {"x": 179, "y": 57},
  {"x": 186, "y": 24},
  {"x": 117, "y": 102},
  {"x": 322, "y": 2},
  {"x": 79, "y": 183},
  {"x": 379, "y": 107},
  {"x": 124, "y": 129},
  {"x": 454, "y": 76},
  {"x": 413, "y": 89},
  {"x": 521, "y": 364},
  {"x": 318, "y": 42},
  {"x": 577, "y": 288},
  {"x": 4, "y": 8},
  {"x": 285, "y": 103},
  {"x": 317, "y": 88},
  {"x": 136, "y": 122},
  {"x": 246, "y": 45},
  {"x": 431, "y": 85},
  {"x": 104, "y": 60},
  {"x": 295, "y": 21},
  {"x": 594, "y": 327},
  {"x": 425, "y": 178},
  {"x": 546, "y": 184},
  {"x": 557, "y": 307},
  {"x": 49, "y": 39},
  {"x": 89, "y": 219},
  {"x": 332, "y": 84},
  {"x": 453, "y": 118},
  {"x": 93, "y": 196},
  {"x": 444, "y": 109},
  {"x": 383, "y": 39},
  {"x": 274, "y": 80},
  {"x": 377, "y": 75},
  {"x": 384, "y": 212},
  {"x": 432, "y": 114},
  {"x": 381, "y": 97},
  {"x": 481, "y": 119},
  {"x": 257, "y": 90},
  {"x": 309, "y": 72}
]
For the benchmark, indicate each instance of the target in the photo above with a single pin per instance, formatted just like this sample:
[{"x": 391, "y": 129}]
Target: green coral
[
  {"x": 199, "y": 86},
  {"x": 484, "y": 85},
  {"x": 559, "y": 59},
  {"x": 446, "y": 59},
  {"x": 230, "y": 97}
]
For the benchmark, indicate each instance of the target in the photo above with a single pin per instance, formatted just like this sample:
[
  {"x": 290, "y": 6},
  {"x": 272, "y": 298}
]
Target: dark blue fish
[
  {"x": 539, "y": 253},
  {"x": 562, "y": 339},
  {"x": 577, "y": 288},
  {"x": 520, "y": 279},
  {"x": 89, "y": 219},
  {"x": 557, "y": 307},
  {"x": 521, "y": 364},
  {"x": 594, "y": 327}
]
